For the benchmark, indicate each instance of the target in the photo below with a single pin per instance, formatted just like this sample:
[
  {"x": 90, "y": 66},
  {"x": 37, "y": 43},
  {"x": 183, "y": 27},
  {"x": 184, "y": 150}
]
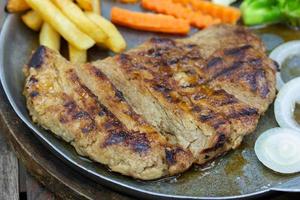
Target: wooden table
[{"x": 19, "y": 149}]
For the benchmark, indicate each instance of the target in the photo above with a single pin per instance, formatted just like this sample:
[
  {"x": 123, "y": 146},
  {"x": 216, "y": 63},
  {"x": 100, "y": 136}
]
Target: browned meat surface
[
  {"x": 112, "y": 134},
  {"x": 158, "y": 108},
  {"x": 205, "y": 92}
]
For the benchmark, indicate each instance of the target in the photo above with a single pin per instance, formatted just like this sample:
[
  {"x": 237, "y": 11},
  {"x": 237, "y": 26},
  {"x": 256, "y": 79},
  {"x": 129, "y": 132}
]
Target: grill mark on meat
[
  {"x": 89, "y": 128},
  {"x": 119, "y": 95},
  {"x": 73, "y": 112},
  {"x": 221, "y": 140},
  {"x": 98, "y": 72},
  {"x": 214, "y": 61},
  {"x": 237, "y": 51},
  {"x": 103, "y": 111},
  {"x": 80, "y": 115},
  {"x": 112, "y": 124},
  {"x": 244, "y": 112},
  {"x": 162, "y": 88},
  {"x": 124, "y": 59},
  {"x": 264, "y": 89},
  {"x": 206, "y": 117},
  {"x": 70, "y": 106},
  {"x": 171, "y": 155},
  {"x": 37, "y": 58},
  {"x": 116, "y": 137},
  {"x": 34, "y": 94},
  {"x": 227, "y": 71},
  {"x": 136, "y": 140},
  {"x": 216, "y": 125}
]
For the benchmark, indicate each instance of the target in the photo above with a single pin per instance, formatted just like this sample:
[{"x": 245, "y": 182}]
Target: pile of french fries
[{"x": 79, "y": 22}]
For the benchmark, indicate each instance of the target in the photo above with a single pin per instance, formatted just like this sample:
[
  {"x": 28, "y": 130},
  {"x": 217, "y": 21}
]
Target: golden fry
[
  {"x": 115, "y": 40},
  {"x": 77, "y": 16},
  {"x": 49, "y": 37},
  {"x": 96, "y": 4},
  {"x": 85, "y": 4},
  {"x": 52, "y": 15},
  {"x": 33, "y": 20},
  {"x": 16, "y": 6},
  {"x": 76, "y": 55}
]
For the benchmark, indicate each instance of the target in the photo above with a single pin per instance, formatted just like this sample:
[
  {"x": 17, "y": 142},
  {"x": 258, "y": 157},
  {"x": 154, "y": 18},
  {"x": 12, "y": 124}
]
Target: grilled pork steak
[
  {"x": 205, "y": 92},
  {"x": 158, "y": 108},
  {"x": 113, "y": 134}
]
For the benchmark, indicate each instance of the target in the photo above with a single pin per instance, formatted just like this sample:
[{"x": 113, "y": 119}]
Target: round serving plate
[{"x": 236, "y": 175}]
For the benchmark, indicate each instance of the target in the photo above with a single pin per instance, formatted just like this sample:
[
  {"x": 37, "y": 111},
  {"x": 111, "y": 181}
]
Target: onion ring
[{"x": 280, "y": 54}]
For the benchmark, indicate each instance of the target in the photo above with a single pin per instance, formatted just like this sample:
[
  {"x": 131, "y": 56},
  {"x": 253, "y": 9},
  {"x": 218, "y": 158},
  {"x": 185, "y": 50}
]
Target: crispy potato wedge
[
  {"x": 115, "y": 40},
  {"x": 77, "y": 55},
  {"x": 33, "y": 20},
  {"x": 52, "y": 15},
  {"x": 49, "y": 37},
  {"x": 77, "y": 16},
  {"x": 85, "y": 4},
  {"x": 14, "y": 6},
  {"x": 96, "y": 4}
]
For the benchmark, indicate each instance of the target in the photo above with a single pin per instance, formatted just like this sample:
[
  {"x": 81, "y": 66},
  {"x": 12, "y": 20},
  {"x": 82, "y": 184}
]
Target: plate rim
[{"x": 109, "y": 182}]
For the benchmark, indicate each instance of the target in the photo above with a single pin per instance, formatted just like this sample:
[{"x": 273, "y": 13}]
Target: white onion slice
[
  {"x": 280, "y": 54},
  {"x": 224, "y": 2},
  {"x": 279, "y": 150},
  {"x": 285, "y": 102}
]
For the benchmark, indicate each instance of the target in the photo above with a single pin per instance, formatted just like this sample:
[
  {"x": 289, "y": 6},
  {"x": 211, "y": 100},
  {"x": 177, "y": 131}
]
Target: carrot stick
[
  {"x": 149, "y": 21},
  {"x": 226, "y": 14},
  {"x": 180, "y": 11}
]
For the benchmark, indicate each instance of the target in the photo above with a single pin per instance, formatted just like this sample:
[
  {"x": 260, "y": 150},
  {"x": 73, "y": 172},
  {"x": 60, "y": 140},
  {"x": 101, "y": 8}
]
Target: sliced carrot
[
  {"x": 149, "y": 21},
  {"x": 179, "y": 11},
  {"x": 226, "y": 14}
]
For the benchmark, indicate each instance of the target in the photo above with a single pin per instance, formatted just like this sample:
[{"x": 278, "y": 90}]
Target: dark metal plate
[{"x": 237, "y": 174}]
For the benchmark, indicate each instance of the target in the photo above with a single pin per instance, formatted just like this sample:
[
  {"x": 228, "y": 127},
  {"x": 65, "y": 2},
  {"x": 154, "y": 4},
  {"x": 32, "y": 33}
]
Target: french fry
[
  {"x": 85, "y": 4},
  {"x": 77, "y": 16},
  {"x": 33, "y": 20},
  {"x": 14, "y": 6},
  {"x": 96, "y": 4},
  {"x": 76, "y": 55},
  {"x": 52, "y": 15},
  {"x": 115, "y": 40},
  {"x": 49, "y": 37}
]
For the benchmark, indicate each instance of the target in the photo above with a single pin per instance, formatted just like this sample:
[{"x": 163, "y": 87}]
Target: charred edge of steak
[
  {"x": 221, "y": 140},
  {"x": 163, "y": 41},
  {"x": 34, "y": 94},
  {"x": 33, "y": 80},
  {"x": 137, "y": 141},
  {"x": 171, "y": 155},
  {"x": 37, "y": 58}
]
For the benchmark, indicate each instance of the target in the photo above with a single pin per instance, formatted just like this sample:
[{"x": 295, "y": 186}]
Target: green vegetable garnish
[{"x": 271, "y": 11}]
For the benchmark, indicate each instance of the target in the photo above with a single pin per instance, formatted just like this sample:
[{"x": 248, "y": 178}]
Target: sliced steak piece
[
  {"x": 207, "y": 91},
  {"x": 105, "y": 129}
]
